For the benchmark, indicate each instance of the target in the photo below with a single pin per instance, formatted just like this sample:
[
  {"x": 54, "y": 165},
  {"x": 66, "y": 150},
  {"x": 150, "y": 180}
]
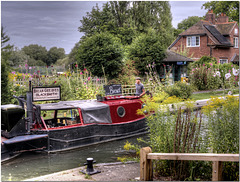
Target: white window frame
[
  {"x": 192, "y": 41},
  {"x": 236, "y": 31},
  {"x": 235, "y": 42},
  {"x": 222, "y": 61}
]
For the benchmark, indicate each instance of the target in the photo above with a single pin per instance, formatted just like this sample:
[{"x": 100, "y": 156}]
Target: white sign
[{"x": 46, "y": 93}]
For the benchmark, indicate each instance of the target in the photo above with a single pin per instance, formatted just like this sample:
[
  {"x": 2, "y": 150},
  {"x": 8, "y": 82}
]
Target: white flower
[
  {"x": 229, "y": 93},
  {"x": 228, "y": 75},
  {"x": 214, "y": 75},
  {"x": 218, "y": 73},
  {"x": 235, "y": 71},
  {"x": 238, "y": 83}
]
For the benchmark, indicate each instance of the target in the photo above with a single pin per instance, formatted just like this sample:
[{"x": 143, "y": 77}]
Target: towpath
[{"x": 129, "y": 171}]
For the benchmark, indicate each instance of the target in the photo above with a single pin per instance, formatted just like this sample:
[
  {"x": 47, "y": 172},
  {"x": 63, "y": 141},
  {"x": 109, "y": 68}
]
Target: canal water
[{"x": 29, "y": 165}]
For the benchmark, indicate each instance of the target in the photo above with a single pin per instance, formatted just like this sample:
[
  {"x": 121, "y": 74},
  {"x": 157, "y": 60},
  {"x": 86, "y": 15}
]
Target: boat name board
[
  {"x": 113, "y": 89},
  {"x": 46, "y": 93}
]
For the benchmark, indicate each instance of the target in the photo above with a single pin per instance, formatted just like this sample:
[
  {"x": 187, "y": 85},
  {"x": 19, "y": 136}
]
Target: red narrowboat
[{"x": 67, "y": 125}]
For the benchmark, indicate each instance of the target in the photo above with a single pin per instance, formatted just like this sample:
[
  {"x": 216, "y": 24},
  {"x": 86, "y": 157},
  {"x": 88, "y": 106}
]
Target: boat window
[{"x": 59, "y": 118}]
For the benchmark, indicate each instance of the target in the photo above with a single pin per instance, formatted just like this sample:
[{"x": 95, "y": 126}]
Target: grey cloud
[{"x": 55, "y": 23}]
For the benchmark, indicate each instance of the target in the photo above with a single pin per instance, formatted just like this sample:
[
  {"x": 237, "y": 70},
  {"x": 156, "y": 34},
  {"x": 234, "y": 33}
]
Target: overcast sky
[{"x": 55, "y": 23}]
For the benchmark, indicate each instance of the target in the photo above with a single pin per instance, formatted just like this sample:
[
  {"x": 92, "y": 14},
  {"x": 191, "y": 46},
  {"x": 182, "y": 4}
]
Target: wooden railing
[
  {"x": 131, "y": 89},
  {"x": 146, "y": 157}
]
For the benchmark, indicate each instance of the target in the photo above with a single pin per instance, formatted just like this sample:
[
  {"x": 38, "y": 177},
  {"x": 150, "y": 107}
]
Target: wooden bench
[{"x": 146, "y": 157}]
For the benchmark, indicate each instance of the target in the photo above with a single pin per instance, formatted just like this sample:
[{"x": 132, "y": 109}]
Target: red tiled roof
[
  {"x": 196, "y": 29},
  {"x": 215, "y": 33},
  {"x": 225, "y": 28}
]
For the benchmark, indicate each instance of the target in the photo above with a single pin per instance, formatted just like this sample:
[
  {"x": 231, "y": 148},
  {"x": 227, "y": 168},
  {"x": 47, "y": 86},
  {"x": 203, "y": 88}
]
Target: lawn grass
[{"x": 207, "y": 95}]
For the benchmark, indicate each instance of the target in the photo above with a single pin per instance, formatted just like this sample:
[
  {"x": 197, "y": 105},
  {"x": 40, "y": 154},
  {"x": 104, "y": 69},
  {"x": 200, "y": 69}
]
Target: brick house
[{"x": 216, "y": 37}]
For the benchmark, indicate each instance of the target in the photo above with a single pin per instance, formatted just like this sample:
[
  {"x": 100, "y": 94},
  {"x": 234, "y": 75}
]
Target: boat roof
[{"x": 83, "y": 104}]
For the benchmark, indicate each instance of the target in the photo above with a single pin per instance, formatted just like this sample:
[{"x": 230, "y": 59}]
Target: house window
[
  {"x": 222, "y": 61},
  {"x": 236, "y": 31},
  {"x": 193, "y": 41},
  {"x": 235, "y": 42}
]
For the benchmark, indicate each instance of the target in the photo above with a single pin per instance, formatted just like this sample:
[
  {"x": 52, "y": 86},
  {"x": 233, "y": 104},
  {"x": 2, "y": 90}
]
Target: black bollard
[{"x": 90, "y": 169}]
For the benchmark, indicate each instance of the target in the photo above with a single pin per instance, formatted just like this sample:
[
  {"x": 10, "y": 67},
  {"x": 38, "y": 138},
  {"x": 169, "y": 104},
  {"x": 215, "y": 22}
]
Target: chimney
[
  {"x": 210, "y": 17},
  {"x": 222, "y": 18}
]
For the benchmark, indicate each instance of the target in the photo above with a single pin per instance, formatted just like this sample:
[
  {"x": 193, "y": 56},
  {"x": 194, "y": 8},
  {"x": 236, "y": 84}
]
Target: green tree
[
  {"x": 6, "y": 48},
  {"x": 126, "y": 19},
  {"x": 148, "y": 48},
  {"x": 100, "y": 51},
  {"x": 188, "y": 22},
  {"x": 5, "y": 94},
  {"x": 231, "y": 8},
  {"x": 97, "y": 21},
  {"x": 151, "y": 14},
  {"x": 120, "y": 11},
  {"x": 54, "y": 54},
  {"x": 36, "y": 52},
  {"x": 176, "y": 32},
  {"x": 64, "y": 61},
  {"x": 18, "y": 57}
]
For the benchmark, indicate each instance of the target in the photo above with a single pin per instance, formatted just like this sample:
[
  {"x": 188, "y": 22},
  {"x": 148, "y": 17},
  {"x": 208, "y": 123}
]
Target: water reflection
[{"x": 31, "y": 165}]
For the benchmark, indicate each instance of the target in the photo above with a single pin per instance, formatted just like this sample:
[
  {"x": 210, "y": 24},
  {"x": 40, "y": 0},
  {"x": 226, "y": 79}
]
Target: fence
[
  {"x": 131, "y": 89},
  {"x": 126, "y": 89},
  {"x": 36, "y": 81},
  {"x": 146, "y": 157},
  {"x": 44, "y": 70}
]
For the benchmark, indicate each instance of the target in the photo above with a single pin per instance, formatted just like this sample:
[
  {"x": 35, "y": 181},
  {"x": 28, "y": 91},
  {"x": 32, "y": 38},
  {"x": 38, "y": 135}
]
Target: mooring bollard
[{"x": 90, "y": 169}]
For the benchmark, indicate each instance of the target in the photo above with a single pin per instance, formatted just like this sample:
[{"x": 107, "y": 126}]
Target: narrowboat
[{"x": 67, "y": 125}]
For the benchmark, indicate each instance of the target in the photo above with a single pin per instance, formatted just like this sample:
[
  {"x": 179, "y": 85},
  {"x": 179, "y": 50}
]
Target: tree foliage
[
  {"x": 127, "y": 19},
  {"x": 54, "y": 54},
  {"x": 5, "y": 94},
  {"x": 6, "y": 48},
  {"x": 143, "y": 27},
  {"x": 188, "y": 22},
  {"x": 96, "y": 21},
  {"x": 36, "y": 52},
  {"x": 18, "y": 57},
  {"x": 151, "y": 14},
  {"x": 40, "y": 56},
  {"x": 231, "y": 8},
  {"x": 100, "y": 51},
  {"x": 148, "y": 48}
]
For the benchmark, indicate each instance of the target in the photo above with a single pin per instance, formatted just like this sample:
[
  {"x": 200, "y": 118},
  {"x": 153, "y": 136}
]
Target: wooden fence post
[
  {"x": 146, "y": 168},
  {"x": 217, "y": 171}
]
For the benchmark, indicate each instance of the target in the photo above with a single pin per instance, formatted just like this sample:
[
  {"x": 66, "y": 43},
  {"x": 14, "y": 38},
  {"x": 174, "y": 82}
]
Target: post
[
  {"x": 29, "y": 111},
  {"x": 217, "y": 171},
  {"x": 146, "y": 169}
]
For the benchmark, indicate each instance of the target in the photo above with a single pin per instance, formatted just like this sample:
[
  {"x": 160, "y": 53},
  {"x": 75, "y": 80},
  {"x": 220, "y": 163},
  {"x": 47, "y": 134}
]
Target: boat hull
[{"x": 75, "y": 137}]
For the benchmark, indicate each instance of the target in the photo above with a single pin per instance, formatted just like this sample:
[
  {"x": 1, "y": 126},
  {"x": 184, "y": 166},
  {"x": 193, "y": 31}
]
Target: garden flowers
[
  {"x": 218, "y": 73},
  {"x": 235, "y": 71},
  {"x": 228, "y": 75}
]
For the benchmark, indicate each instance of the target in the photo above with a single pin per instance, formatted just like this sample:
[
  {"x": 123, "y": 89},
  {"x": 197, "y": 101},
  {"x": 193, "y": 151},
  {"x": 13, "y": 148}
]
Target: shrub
[
  {"x": 146, "y": 49},
  {"x": 128, "y": 73},
  {"x": 222, "y": 135},
  {"x": 204, "y": 78},
  {"x": 101, "y": 50},
  {"x": 179, "y": 89},
  {"x": 174, "y": 132},
  {"x": 208, "y": 74}
]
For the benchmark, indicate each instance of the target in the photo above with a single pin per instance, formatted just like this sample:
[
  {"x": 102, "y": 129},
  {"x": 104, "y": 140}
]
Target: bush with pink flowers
[{"x": 213, "y": 75}]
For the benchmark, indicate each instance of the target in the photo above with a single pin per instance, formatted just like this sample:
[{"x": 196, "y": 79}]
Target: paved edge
[{"x": 41, "y": 178}]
